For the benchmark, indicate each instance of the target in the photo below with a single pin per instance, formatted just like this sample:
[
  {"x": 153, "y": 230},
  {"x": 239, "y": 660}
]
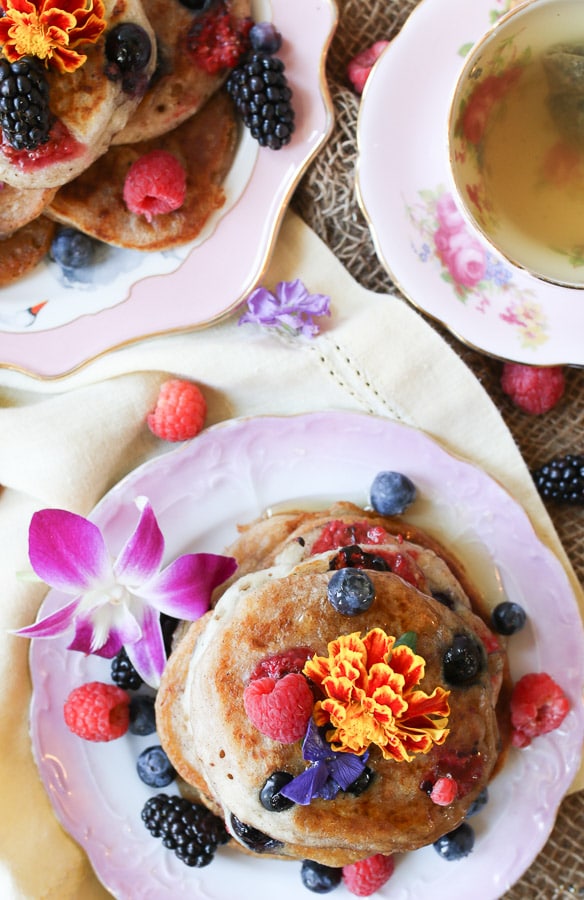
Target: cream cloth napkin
[{"x": 66, "y": 443}]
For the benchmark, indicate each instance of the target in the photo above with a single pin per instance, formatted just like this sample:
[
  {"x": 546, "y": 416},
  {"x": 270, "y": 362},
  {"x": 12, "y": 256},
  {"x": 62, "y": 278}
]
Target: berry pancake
[
  {"x": 277, "y": 630},
  {"x": 204, "y": 145},
  {"x": 181, "y": 85},
  {"x": 18, "y": 208},
  {"x": 88, "y": 106},
  {"x": 21, "y": 251}
]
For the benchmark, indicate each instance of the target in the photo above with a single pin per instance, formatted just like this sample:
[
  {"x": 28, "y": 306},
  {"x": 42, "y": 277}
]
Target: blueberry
[
  {"x": 456, "y": 844},
  {"x": 361, "y": 783},
  {"x": 391, "y": 493},
  {"x": 264, "y": 36},
  {"x": 154, "y": 767},
  {"x": 252, "y": 838},
  {"x": 72, "y": 249},
  {"x": 270, "y": 796},
  {"x": 508, "y": 617},
  {"x": 198, "y": 5},
  {"x": 444, "y": 598},
  {"x": 464, "y": 660},
  {"x": 477, "y": 804},
  {"x": 128, "y": 46},
  {"x": 142, "y": 718},
  {"x": 319, "y": 878},
  {"x": 351, "y": 591}
]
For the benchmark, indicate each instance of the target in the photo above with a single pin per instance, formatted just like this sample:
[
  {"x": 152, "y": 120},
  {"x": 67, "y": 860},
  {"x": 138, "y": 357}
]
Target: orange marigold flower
[
  {"x": 50, "y": 30},
  {"x": 373, "y": 697}
]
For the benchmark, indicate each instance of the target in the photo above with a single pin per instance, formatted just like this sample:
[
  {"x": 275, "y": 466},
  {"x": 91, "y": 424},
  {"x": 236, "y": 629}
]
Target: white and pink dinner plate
[
  {"x": 50, "y": 325},
  {"x": 230, "y": 474},
  {"x": 404, "y": 187}
]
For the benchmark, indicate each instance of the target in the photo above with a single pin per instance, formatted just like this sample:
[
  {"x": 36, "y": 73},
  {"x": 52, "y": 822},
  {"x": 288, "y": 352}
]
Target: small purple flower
[
  {"x": 117, "y": 602},
  {"x": 328, "y": 773},
  {"x": 291, "y": 309}
]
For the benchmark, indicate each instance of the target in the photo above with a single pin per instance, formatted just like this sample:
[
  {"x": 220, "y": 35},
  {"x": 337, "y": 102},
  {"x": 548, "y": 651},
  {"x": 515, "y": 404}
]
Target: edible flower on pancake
[
  {"x": 328, "y": 773},
  {"x": 118, "y": 599},
  {"x": 372, "y": 696},
  {"x": 50, "y": 30}
]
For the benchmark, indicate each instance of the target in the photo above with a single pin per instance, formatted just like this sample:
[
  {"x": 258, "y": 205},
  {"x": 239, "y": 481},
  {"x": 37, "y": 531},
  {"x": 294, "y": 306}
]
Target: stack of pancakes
[
  {"x": 276, "y": 603},
  {"x": 178, "y": 107}
]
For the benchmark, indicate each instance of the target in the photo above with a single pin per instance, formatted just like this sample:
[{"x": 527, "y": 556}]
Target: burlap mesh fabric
[{"x": 326, "y": 200}]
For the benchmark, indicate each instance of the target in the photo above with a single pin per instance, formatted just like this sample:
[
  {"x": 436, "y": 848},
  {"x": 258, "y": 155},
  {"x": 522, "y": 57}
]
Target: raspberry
[
  {"x": 281, "y": 708},
  {"x": 538, "y": 705},
  {"x": 444, "y": 791},
  {"x": 216, "y": 41},
  {"x": 98, "y": 712},
  {"x": 180, "y": 411},
  {"x": 367, "y": 876},
  {"x": 155, "y": 184},
  {"x": 281, "y": 664},
  {"x": 534, "y": 389},
  {"x": 360, "y": 66}
]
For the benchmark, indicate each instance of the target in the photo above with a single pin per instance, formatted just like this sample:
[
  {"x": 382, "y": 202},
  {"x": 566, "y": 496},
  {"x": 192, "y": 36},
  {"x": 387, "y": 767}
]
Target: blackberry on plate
[
  {"x": 123, "y": 673},
  {"x": 25, "y": 117},
  {"x": 562, "y": 479},
  {"x": 262, "y": 97},
  {"x": 318, "y": 878},
  {"x": 190, "y": 829}
]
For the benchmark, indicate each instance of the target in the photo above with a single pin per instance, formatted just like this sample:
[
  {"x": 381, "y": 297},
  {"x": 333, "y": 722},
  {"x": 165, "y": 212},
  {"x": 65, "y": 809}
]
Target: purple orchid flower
[
  {"x": 291, "y": 309},
  {"x": 117, "y": 602},
  {"x": 328, "y": 773}
]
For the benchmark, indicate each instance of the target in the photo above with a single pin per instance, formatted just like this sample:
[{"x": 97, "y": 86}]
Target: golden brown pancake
[
  {"x": 21, "y": 251},
  {"x": 205, "y": 145},
  {"x": 18, "y": 208},
  {"x": 179, "y": 87},
  {"x": 91, "y": 108},
  {"x": 204, "y": 728}
]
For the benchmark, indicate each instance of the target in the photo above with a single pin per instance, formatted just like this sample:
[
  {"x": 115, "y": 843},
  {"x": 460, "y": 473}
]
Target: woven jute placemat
[{"x": 327, "y": 202}]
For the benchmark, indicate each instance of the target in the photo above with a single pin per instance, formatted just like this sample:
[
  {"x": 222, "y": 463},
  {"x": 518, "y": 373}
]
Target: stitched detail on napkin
[{"x": 352, "y": 377}]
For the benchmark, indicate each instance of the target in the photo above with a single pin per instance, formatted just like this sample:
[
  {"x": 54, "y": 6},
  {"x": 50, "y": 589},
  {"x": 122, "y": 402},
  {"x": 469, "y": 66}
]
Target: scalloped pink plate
[
  {"x": 50, "y": 326},
  {"x": 230, "y": 474},
  {"x": 404, "y": 186}
]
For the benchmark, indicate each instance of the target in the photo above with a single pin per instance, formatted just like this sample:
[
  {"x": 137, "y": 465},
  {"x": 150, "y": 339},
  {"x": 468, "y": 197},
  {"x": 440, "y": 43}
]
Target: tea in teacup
[{"x": 516, "y": 138}]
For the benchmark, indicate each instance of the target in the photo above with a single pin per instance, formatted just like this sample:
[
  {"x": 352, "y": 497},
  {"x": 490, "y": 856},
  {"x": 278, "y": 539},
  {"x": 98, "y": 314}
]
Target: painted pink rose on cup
[{"x": 459, "y": 251}]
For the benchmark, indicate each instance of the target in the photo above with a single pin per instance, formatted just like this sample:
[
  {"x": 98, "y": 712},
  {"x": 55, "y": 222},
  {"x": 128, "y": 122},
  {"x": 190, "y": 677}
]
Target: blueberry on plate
[
  {"x": 508, "y": 617},
  {"x": 265, "y": 36},
  {"x": 71, "y": 249},
  {"x": 319, "y": 878},
  {"x": 350, "y": 591},
  {"x": 154, "y": 767},
  {"x": 142, "y": 716},
  {"x": 391, "y": 493},
  {"x": 456, "y": 844},
  {"x": 478, "y": 803}
]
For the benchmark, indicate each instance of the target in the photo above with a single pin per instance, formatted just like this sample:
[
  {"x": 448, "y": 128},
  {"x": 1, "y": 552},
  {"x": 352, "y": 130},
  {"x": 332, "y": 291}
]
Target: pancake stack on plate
[
  {"x": 140, "y": 86},
  {"x": 404, "y": 686}
]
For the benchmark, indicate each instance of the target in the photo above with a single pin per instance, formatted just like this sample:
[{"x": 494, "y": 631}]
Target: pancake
[
  {"x": 21, "y": 251},
  {"x": 89, "y": 109},
  {"x": 212, "y": 743},
  {"x": 205, "y": 145},
  {"x": 18, "y": 208},
  {"x": 179, "y": 86}
]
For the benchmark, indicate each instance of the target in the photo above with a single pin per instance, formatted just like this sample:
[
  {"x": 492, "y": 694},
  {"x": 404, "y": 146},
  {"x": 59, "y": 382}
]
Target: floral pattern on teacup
[{"x": 476, "y": 275}]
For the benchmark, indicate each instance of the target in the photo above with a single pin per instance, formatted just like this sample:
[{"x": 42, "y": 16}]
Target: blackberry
[
  {"x": 190, "y": 829},
  {"x": 259, "y": 88},
  {"x": 25, "y": 117},
  {"x": 123, "y": 672},
  {"x": 562, "y": 479}
]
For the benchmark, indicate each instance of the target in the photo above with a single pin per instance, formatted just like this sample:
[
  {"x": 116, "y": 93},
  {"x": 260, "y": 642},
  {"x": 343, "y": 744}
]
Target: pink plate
[
  {"x": 231, "y": 474},
  {"x": 50, "y": 326},
  {"x": 405, "y": 189}
]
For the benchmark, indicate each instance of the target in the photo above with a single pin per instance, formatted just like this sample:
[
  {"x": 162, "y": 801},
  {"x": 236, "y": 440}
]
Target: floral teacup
[{"x": 516, "y": 139}]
